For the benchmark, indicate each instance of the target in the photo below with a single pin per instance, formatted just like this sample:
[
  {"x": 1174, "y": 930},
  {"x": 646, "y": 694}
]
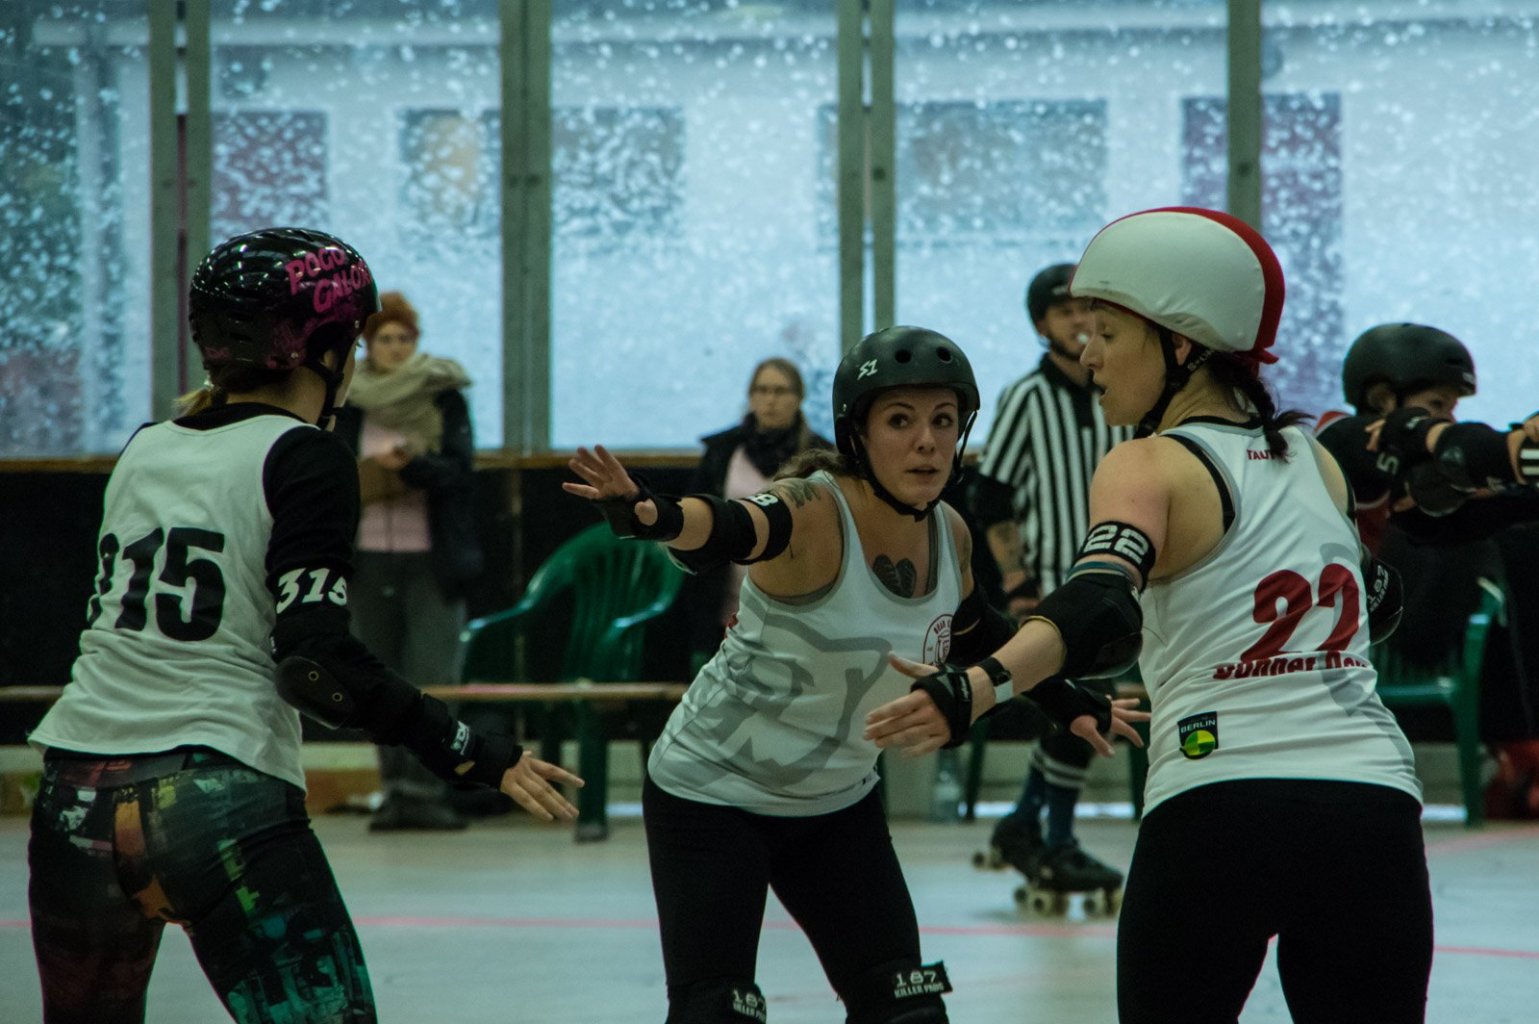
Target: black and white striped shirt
[{"x": 1047, "y": 437}]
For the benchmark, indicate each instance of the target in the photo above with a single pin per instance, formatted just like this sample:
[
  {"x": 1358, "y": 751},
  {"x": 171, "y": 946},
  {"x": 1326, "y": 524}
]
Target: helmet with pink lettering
[{"x": 278, "y": 299}]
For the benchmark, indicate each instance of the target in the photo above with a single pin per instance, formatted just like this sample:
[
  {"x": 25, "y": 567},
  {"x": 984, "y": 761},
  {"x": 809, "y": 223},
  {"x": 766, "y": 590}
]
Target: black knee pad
[
  {"x": 718, "y": 1002},
  {"x": 898, "y": 992}
]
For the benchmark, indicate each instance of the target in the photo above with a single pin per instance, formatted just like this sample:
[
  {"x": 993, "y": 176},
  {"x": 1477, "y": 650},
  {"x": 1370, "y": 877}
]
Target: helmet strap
[
  {"x": 1177, "y": 375},
  {"x": 869, "y": 475},
  {"x": 332, "y": 378}
]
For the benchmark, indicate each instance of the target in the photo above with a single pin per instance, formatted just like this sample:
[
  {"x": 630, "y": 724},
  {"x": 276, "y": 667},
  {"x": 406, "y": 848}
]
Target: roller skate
[
  {"x": 1015, "y": 842},
  {"x": 1065, "y": 870}
]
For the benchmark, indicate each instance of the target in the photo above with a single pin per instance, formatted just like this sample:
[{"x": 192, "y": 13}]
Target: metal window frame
[{"x": 866, "y": 188}]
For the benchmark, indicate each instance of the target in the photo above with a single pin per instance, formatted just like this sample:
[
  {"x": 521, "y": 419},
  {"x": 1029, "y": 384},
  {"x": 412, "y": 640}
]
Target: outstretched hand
[
  {"x": 528, "y": 782},
  {"x": 914, "y": 725},
  {"x": 606, "y": 480}
]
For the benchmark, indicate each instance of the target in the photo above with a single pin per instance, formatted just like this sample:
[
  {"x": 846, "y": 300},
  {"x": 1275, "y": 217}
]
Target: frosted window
[
  {"x": 1008, "y": 173},
  {"x": 1439, "y": 138},
  {"x": 345, "y": 116},
  {"x": 271, "y": 169},
  {"x": 74, "y": 226},
  {"x": 1301, "y": 203},
  {"x": 1073, "y": 116},
  {"x": 686, "y": 238}
]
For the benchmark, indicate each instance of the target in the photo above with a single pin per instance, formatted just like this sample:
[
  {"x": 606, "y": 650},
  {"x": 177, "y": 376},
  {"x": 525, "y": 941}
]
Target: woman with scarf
[
  {"x": 407, "y": 419},
  {"x": 740, "y": 461}
]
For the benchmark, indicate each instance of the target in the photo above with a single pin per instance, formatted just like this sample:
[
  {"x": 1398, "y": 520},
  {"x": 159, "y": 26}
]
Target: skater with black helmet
[
  {"x": 1281, "y": 799},
  {"x": 172, "y": 788},
  {"x": 1407, "y": 459},
  {"x": 762, "y": 778}
]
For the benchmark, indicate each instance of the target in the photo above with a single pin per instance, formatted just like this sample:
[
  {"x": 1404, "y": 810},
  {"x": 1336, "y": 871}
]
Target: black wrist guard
[
  {"x": 620, "y": 514},
  {"x": 1064, "y": 702},
  {"x": 1405, "y": 432},
  {"x": 1426, "y": 484},
  {"x": 952, "y": 693}
]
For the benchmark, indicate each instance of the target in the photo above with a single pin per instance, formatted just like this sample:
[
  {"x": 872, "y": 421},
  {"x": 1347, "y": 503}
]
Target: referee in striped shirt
[{"x": 1032, "y": 497}]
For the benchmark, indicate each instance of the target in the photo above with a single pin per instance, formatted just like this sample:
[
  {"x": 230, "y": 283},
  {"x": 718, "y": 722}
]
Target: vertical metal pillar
[
  {"x": 198, "y": 138},
  {"x": 881, "y": 136},
  {"x": 1245, "y": 111},
  {"x": 165, "y": 209},
  {"x": 526, "y": 223},
  {"x": 850, "y": 190}
]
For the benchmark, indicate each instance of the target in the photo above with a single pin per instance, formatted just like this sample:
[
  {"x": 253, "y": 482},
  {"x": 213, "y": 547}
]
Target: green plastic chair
[
  {"x": 1454, "y": 683},
  {"x": 615, "y": 588}
]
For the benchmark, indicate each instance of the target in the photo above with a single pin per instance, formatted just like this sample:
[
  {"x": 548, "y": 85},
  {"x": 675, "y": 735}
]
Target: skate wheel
[
  {"x": 1055, "y": 903},
  {"x": 1020, "y": 894},
  {"x": 989, "y": 860}
]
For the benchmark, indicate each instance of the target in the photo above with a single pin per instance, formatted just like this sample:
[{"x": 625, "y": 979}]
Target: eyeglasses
[{"x": 771, "y": 390}]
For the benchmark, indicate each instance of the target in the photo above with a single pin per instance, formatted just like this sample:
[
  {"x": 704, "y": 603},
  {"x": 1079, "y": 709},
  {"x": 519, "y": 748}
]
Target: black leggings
[
  {"x": 836, "y": 874},
  {"x": 1337, "y": 871},
  {"x": 120, "y": 847}
]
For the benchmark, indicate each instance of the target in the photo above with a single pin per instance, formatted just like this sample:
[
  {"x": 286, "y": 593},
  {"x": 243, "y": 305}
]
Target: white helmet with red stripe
[{"x": 1200, "y": 273}]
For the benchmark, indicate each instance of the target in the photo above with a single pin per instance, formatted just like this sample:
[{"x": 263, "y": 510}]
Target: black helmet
[
  {"x": 279, "y": 298},
  {"x": 899, "y": 357},
  {"x": 1407, "y": 357},
  {"x": 1049, "y": 286}
]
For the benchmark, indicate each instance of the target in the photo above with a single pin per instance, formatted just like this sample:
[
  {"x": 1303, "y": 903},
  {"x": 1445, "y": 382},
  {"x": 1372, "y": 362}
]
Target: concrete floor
[{"x": 513, "y": 922}]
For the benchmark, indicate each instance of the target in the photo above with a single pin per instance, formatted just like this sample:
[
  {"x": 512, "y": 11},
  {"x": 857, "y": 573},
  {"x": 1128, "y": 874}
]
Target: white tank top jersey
[
  {"x": 175, "y": 652},
  {"x": 772, "y": 724},
  {"x": 1256, "y": 658}
]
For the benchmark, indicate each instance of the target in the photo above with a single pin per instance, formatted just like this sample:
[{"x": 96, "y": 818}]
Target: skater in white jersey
[
  {"x": 172, "y": 788},
  {"x": 762, "y": 778},
  {"x": 1281, "y": 800}
]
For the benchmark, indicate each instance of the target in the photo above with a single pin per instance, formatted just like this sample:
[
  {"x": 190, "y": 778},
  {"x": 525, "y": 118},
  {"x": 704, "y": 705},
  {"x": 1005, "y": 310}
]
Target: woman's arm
[
  {"x": 776, "y": 532},
  {"x": 326, "y": 672}
]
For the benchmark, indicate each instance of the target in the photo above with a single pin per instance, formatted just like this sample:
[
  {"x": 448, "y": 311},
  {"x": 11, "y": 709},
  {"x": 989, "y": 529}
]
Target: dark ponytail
[{"x": 1239, "y": 374}]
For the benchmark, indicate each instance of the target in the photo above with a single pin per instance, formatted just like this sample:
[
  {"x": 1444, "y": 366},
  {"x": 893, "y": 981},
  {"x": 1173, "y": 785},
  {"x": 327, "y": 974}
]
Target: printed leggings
[{"x": 121, "y": 846}]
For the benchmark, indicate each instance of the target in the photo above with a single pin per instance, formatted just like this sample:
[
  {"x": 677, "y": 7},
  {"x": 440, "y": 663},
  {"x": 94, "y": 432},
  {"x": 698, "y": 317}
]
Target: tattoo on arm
[
  {"x": 797, "y": 491},
  {"x": 900, "y": 578}
]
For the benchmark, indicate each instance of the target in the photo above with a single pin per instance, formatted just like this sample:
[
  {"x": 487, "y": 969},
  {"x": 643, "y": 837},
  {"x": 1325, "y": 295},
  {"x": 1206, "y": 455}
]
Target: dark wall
[{"x": 48, "y": 524}]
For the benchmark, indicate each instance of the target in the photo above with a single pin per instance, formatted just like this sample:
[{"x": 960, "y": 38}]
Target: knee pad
[
  {"x": 898, "y": 992},
  {"x": 718, "y": 1002}
]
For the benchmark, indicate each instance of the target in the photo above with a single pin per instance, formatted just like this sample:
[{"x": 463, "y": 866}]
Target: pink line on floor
[
  {"x": 1031, "y": 930},
  {"x": 1482, "y": 840}
]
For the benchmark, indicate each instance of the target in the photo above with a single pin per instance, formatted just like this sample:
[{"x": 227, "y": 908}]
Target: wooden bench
[
  {"x": 490, "y": 692},
  {"x": 592, "y": 817}
]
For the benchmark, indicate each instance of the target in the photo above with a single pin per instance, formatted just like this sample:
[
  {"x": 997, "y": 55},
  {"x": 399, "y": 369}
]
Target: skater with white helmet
[
  {"x": 1281, "y": 800},
  {"x": 762, "y": 778}
]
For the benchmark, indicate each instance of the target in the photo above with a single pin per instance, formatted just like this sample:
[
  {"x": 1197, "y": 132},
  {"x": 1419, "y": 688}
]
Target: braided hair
[{"x": 1240, "y": 375}]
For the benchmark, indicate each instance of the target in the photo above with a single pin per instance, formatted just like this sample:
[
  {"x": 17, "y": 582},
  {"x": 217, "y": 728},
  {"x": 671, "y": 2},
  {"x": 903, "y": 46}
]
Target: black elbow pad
[
  {"x": 306, "y": 685},
  {"x": 733, "y": 536},
  {"x": 1097, "y": 615}
]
